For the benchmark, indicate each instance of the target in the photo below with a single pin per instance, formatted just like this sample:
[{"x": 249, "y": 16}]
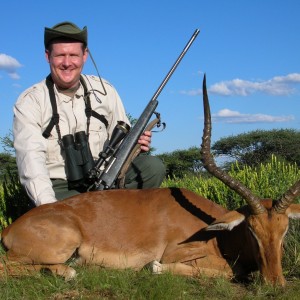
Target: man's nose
[{"x": 66, "y": 60}]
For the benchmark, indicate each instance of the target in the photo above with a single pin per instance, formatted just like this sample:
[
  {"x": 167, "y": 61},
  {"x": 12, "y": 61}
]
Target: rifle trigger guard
[{"x": 158, "y": 123}]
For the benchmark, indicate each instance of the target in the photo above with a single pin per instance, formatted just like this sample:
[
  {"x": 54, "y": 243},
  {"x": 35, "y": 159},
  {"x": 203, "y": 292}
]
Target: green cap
[{"x": 66, "y": 30}]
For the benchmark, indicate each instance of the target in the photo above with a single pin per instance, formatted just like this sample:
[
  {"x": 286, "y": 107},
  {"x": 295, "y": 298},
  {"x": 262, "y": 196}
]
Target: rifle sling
[{"x": 133, "y": 154}]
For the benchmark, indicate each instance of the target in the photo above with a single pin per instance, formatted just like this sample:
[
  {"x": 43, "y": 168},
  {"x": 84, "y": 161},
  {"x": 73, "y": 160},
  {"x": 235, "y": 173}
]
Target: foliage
[
  {"x": 257, "y": 146},
  {"x": 7, "y": 158},
  {"x": 7, "y": 162},
  {"x": 7, "y": 143},
  {"x": 269, "y": 180},
  {"x": 14, "y": 201},
  {"x": 182, "y": 162},
  {"x": 291, "y": 258}
]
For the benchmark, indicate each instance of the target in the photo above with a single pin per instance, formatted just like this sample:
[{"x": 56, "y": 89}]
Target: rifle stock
[{"x": 109, "y": 175}]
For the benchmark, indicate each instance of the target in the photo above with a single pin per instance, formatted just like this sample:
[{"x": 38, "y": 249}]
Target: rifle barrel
[
  {"x": 186, "y": 48},
  {"x": 117, "y": 160}
]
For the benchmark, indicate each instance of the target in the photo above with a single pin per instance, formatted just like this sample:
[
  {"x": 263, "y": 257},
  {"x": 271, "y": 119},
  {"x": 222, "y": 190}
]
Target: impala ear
[
  {"x": 293, "y": 211},
  {"x": 227, "y": 222}
]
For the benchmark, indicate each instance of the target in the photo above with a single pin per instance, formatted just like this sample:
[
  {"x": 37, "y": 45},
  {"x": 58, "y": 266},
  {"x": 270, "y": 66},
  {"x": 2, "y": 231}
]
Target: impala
[{"x": 169, "y": 229}]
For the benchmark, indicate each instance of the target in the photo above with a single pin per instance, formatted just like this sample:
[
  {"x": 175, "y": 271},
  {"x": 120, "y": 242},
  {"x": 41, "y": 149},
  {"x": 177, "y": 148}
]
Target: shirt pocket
[
  {"x": 97, "y": 137},
  {"x": 54, "y": 151}
]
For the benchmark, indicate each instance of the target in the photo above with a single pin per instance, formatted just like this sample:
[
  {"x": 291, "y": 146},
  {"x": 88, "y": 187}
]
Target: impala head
[{"x": 266, "y": 220}]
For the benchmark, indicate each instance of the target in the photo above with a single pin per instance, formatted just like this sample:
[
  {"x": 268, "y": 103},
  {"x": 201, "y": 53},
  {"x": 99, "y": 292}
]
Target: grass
[{"x": 92, "y": 283}]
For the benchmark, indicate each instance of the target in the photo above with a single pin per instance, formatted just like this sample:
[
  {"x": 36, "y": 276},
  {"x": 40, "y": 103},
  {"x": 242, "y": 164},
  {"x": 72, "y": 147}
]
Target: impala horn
[
  {"x": 287, "y": 198},
  {"x": 210, "y": 165}
]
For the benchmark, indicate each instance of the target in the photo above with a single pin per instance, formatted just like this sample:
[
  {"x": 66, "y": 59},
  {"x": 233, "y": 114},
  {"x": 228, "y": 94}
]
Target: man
[{"x": 60, "y": 106}]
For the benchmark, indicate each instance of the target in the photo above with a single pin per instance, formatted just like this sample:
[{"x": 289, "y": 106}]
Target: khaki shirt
[{"x": 40, "y": 159}]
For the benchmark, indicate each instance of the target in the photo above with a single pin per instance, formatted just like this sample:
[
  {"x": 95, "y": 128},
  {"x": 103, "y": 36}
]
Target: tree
[
  {"x": 182, "y": 162},
  {"x": 258, "y": 146},
  {"x": 7, "y": 158},
  {"x": 7, "y": 143}
]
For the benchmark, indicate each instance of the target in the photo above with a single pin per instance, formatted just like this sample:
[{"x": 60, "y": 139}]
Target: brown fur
[{"x": 132, "y": 228}]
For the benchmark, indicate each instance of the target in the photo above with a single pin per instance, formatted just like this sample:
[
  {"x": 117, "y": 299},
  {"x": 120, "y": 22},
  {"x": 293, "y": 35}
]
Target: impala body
[{"x": 168, "y": 229}]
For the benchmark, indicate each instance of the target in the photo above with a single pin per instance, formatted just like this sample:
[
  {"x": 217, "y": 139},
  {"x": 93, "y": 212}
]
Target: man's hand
[{"x": 145, "y": 141}]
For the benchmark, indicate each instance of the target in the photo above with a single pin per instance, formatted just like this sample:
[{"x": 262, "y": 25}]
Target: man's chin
[{"x": 67, "y": 83}]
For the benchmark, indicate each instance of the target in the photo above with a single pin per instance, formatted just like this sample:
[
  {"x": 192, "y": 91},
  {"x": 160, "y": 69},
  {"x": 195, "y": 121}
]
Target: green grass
[{"x": 92, "y": 283}]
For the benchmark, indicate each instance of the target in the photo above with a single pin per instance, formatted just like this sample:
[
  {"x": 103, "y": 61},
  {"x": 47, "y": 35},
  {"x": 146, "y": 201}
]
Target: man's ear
[
  {"x": 47, "y": 55},
  {"x": 85, "y": 54}
]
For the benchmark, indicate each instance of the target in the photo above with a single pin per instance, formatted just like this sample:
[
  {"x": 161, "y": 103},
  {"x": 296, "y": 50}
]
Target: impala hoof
[
  {"x": 69, "y": 274},
  {"x": 155, "y": 267}
]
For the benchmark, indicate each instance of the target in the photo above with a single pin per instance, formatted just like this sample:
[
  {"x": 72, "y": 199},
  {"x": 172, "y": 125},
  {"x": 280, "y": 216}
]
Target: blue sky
[{"x": 248, "y": 49}]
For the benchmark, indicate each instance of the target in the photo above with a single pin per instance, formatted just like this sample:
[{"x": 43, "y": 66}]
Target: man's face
[{"x": 66, "y": 61}]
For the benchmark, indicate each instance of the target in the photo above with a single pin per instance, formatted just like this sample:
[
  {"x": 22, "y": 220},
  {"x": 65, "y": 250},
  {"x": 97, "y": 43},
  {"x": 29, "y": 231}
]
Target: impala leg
[
  {"x": 66, "y": 272},
  {"x": 210, "y": 265},
  {"x": 175, "y": 268},
  {"x": 16, "y": 269},
  {"x": 23, "y": 267}
]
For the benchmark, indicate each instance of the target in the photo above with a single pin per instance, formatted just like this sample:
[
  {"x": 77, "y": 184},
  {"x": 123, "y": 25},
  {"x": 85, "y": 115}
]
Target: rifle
[{"x": 118, "y": 155}]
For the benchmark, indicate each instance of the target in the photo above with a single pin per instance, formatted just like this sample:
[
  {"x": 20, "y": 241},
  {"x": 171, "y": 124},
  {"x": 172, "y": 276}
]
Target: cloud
[
  {"x": 276, "y": 86},
  {"x": 16, "y": 85},
  {"x": 192, "y": 92},
  {"x": 230, "y": 116},
  {"x": 9, "y": 65}
]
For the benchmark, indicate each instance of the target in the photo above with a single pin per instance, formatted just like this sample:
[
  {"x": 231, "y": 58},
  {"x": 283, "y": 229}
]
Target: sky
[{"x": 248, "y": 49}]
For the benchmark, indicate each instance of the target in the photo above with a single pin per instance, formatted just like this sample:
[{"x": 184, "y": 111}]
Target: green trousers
[{"x": 145, "y": 172}]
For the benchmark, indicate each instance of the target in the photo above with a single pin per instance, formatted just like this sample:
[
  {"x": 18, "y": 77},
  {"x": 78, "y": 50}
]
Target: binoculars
[
  {"x": 79, "y": 160},
  {"x": 81, "y": 169}
]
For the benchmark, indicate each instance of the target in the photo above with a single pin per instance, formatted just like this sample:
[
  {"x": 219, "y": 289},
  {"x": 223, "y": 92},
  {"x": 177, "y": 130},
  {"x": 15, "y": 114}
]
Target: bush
[
  {"x": 14, "y": 201},
  {"x": 269, "y": 180}
]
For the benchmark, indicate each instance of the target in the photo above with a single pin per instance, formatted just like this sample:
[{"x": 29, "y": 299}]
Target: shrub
[
  {"x": 14, "y": 201},
  {"x": 269, "y": 180}
]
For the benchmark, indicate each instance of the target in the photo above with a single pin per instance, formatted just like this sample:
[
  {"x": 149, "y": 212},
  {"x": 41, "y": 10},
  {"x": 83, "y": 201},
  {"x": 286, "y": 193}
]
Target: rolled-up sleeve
[{"x": 31, "y": 149}]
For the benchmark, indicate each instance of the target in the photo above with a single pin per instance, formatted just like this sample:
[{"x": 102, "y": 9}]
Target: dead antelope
[{"x": 171, "y": 229}]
